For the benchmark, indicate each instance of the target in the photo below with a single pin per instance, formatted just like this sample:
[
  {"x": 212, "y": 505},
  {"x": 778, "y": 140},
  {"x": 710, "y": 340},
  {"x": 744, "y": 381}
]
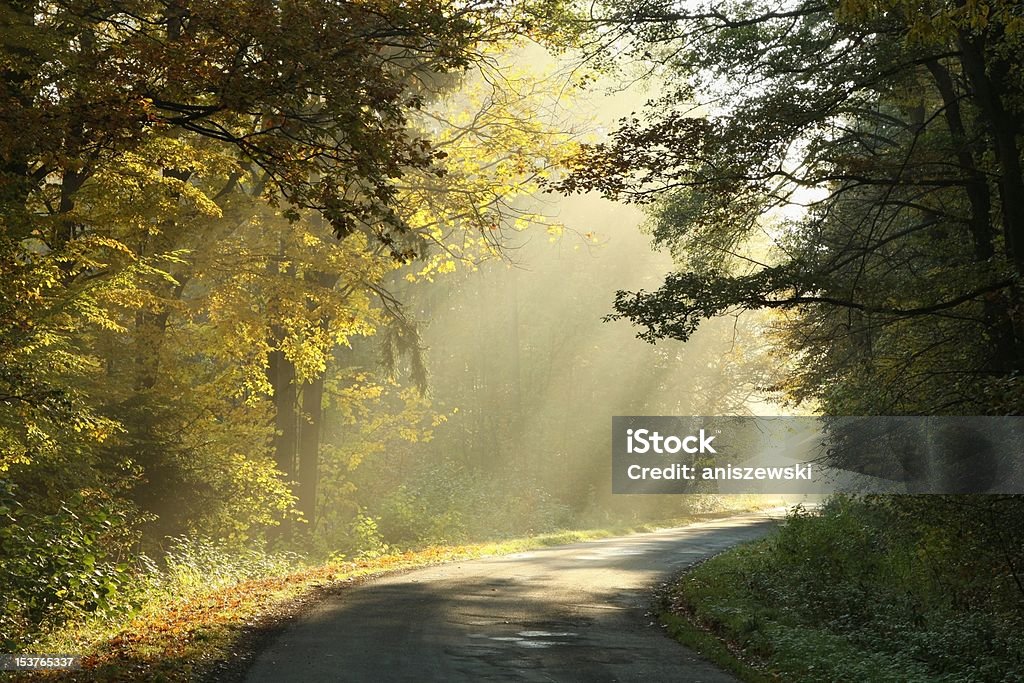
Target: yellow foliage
[{"x": 501, "y": 131}]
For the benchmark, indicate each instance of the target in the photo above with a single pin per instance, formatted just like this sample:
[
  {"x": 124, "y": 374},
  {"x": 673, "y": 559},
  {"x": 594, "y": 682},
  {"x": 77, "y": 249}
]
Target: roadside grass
[
  {"x": 710, "y": 647},
  {"x": 193, "y": 620},
  {"x": 714, "y": 611},
  {"x": 844, "y": 597}
]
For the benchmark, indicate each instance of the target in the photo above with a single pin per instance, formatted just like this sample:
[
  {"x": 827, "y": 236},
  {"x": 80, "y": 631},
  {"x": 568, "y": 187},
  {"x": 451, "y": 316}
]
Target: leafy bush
[
  {"x": 66, "y": 566},
  {"x": 54, "y": 564},
  {"x": 362, "y": 541},
  {"x": 886, "y": 589}
]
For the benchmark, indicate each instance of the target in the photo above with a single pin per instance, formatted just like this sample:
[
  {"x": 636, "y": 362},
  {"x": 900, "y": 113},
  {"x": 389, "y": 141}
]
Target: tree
[
  {"x": 883, "y": 136},
  {"x": 192, "y": 194},
  {"x": 165, "y": 111},
  {"x": 301, "y": 101}
]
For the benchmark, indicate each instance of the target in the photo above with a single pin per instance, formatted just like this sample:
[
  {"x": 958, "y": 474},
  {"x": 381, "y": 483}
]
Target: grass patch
[{"x": 712, "y": 648}]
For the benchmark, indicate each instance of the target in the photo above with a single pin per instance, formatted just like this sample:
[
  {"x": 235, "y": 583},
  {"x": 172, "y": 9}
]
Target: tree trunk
[
  {"x": 997, "y": 309},
  {"x": 309, "y": 448},
  {"x": 16, "y": 90},
  {"x": 1003, "y": 128},
  {"x": 281, "y": 373}
]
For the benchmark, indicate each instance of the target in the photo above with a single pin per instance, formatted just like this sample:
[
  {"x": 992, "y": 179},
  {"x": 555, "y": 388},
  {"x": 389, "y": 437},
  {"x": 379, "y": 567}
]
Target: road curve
[{"x": 570, "y": 613}]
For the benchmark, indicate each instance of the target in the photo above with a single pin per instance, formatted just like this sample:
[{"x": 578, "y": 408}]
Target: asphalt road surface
[{"x": 571, "y": 613}]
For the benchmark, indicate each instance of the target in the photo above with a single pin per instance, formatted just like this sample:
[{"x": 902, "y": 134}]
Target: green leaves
[
  {"x": 840, "y": 167},
  {"x": 911, "y": 589},
  {"x": 55, "y": 563}
]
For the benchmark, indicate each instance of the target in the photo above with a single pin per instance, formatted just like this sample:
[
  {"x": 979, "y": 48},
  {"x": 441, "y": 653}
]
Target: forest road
[{"x": 569, "y": 613}]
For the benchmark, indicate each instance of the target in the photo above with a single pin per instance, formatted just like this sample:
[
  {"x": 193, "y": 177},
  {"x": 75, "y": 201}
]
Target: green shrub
[
  {"x": 883, "y": 589},
  {"x": 56, "y": 563}
]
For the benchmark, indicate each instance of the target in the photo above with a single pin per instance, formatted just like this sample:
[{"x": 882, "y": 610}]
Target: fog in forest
[{"x": 524, "y": 374}]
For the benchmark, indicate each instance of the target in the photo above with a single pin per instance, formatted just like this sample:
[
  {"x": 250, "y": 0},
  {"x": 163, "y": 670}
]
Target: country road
[{"x": 569, "y": 613}]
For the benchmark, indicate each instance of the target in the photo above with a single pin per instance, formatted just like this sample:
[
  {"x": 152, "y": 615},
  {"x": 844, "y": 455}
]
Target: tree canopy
[
  {"x": 202, "y": 209},
  {"x": 875, "y": 147}
]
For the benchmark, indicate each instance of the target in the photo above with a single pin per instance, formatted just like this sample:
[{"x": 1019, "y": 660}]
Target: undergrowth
[{"x": 869, "y": 591}]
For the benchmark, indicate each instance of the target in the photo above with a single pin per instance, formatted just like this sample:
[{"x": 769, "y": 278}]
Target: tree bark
[
  {"x": 281, "y": 373},
  {"x": 1005, "y": 340},
  {"x": 309, "y": 448},
  {"x": 15, "y": 89},
  {"x": 1002, "y": 126}
]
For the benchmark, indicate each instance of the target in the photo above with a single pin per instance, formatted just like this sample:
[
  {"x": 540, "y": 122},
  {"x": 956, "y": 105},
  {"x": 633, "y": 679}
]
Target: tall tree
[{"x": 883, "y": 137}]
